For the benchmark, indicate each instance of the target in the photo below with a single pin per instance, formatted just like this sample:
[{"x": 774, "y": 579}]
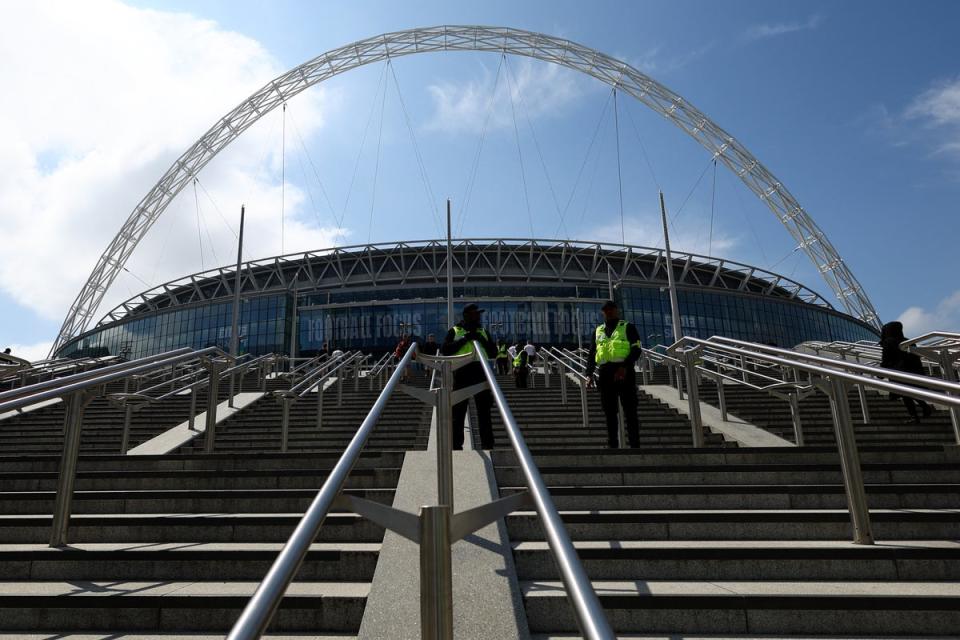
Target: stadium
[{"x": 547, "y": 291}]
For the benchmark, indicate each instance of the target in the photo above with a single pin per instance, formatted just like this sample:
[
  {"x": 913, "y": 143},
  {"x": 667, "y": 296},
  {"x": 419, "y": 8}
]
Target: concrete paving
[
  {"x": 174, "y": 438},
  {"x": 733, "y": 428}
]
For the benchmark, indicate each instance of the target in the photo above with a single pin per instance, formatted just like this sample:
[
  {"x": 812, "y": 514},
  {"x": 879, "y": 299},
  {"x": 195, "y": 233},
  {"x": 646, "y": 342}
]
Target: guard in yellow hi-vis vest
[
  {"x": 459, "y": 341},
  {"x": 616, "y": 347}
]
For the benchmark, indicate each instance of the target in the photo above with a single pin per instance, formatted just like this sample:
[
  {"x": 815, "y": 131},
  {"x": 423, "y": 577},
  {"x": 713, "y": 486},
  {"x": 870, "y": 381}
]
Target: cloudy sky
[{"x": 855, "y": 107}]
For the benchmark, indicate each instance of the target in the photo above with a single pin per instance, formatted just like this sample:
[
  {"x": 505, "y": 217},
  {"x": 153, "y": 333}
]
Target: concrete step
[
  {"x": 186, "y": 528},
  {"x": 182, "y": 501},
  {"x": 787, "y": 560},
  {"x": 745, "y": 524},
  {"x": 749, "y": 496},
  {"x": 779, "y": 608},
  {"x": 173, "y": 606},
  {"x": 180, "y": 562}
]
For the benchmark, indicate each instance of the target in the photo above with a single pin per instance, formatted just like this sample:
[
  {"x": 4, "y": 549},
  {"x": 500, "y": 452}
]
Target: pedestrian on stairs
[
  {"x": 459, "y": 341},
  {"x": 615, "y": 349},
  {"x": 893, "y": 357},
  {"x": 521, "y": 368},
  {"x": 503, "y": 358}
]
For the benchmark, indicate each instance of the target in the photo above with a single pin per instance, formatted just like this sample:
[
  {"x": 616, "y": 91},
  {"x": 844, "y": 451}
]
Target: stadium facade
[{"x": 548, "y": 291}]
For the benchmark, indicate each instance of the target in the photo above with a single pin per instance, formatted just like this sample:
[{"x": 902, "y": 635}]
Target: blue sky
[{"x": 854, "y": 106}]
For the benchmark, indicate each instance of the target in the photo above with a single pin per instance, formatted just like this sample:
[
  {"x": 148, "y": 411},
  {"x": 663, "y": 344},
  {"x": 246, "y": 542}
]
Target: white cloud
[
  {"x": 102, "y": 98},
  {"x": 463, "y": 107},
  {"x": 646, "y": 231},
  {"x": 944, "y": 317},
  {"x": 31, "y": 352},
  {"x": 939, "y": 107},
  {"x": 761, "y": 31}
]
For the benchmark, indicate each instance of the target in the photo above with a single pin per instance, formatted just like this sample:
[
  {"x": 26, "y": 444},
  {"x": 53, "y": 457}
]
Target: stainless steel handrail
[
  {"x": 586, "y": 606},
  {"x": 29, "y": 390},
  {"x": 261, "y": 607}
]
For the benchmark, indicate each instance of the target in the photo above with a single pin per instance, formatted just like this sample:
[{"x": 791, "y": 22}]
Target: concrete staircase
[
  {"x": 404, "y": 425},
  {"x": 547, "y": 423},
  {"x": 178, "y": 543}
]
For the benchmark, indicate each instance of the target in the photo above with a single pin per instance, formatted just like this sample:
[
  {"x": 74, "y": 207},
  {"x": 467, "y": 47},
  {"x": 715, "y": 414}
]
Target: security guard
[
  {"x": 459, "y": 341},
  {"x": 616, "y": 347},
  {"x": 503, "y": 358},
  {"x": 521, "y": 369}
]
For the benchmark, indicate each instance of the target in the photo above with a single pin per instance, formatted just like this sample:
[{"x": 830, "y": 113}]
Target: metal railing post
[
  {"x": 125, "y": 438},
  {"x": 320, "y": 403},
  {"x": 948, "y": 373},
  {"x": 63, "y": 502},
  {"x": 213, "y": 396},
  {"x": 693, "y": 397},
  {"x": 563, "y": 386},
  {"x": 644, "y": 373},
  {"x": 722, "y": 397},
  {"x": 795, "y": 418},
  {"x": 546, "y": 375},
  {"x": 864, "y": 407},
  {"x": 340, "y": 389},
  {"x": 356, "y": 374},
  {"x": 850, "y": 462},
  {"x": 436, "y": 574},
  {"x": 230, "y": 393},
  {"x": 285, "y": 403},
  {"x": 445, "y": 435},
  {"x": 193, "y": 407},
  {"x": 583, "y": 404}
]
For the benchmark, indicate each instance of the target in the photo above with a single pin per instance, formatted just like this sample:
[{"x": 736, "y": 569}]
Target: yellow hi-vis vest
[
  {"x": 459, "y": 332},
  {"x": 502, "y": 352},
  {"x": 615, "y": 347},
  {"x": 519, "y": 359}
]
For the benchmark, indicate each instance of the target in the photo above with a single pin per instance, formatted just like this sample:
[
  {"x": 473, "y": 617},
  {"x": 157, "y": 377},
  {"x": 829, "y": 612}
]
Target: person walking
[
  {"x": 459, "y": 341},
  {"x": 893, "y": 357},
  {"x": 430, "y": 347},
  {"x": 400, "y": 351},
  {"x": 521, "y": 369},
  {"x": 615, "y": 349},
  {"x": 503, "y": 358}
]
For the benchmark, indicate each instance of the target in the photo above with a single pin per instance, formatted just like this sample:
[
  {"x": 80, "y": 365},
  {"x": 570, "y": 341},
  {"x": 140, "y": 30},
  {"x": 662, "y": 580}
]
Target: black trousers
[
  {"x": 521, "y": 373},
  {"x": 503, "y": 366},
  {"x": 614, "y": 393},
  {"x": 484, "y": 401}
]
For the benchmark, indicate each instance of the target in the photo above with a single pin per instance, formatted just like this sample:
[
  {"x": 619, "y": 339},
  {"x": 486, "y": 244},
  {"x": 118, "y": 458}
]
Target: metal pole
[
  {"x": 285, "y": 403},
  {"x": 294, "y": 328},
  {"x": 436, "y": 574},
  {"x": 68, "y": 467},
  {"x": 320, "y": 404},
  {"x": 445, "y": 435},
  {"x": 340, "y": 388},
  {"x": 563, "y": 386},
  {"x": 864, "y": 407},
  {"x": 723, "y": 398},
  {"x": 850, "y": 462},
  {"x": 948, "y": 373},
  {"x": 213, "y": 393},
  {"x": 583, "y": 404},
  {"x": 674, "y": 304},
  {"x": 125, "y": 439},
  {"x": 193, "y": 406},
  {"x": 795, "y": 416},
  {"x": 693, "y": 398},
  {"x": 449, "y": 269},
  {"x": 235, "y": 323}
]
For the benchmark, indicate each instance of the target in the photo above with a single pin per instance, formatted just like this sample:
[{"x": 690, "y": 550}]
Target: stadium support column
[
  {"x": 674, "y": 305},
  {"x": 449, "y": 270},
  {"x": 235, "y": 324}
]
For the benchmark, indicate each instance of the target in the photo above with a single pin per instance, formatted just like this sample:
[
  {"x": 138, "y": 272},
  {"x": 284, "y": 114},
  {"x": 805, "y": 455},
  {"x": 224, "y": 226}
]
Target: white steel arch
[{"x": 569, "y": 54}]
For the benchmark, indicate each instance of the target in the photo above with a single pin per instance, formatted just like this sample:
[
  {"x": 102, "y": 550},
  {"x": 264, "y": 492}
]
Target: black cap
[
  {"x": 472, "y": 307},
  {"x": 609, "y": 304}
]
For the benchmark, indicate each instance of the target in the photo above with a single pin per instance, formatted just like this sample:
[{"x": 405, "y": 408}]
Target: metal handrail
[
  {"x": 261, "y": 607},
  {"x": 58, "y": 387},
  {"x": 309, "y": 382},
  {"x": 586, "y": 606}
]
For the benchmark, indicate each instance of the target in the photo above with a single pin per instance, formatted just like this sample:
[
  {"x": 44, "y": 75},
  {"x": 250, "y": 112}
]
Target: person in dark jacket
[
  {"x": 893, "y": 357},
  {"x": 615, "y": 349},
  {"x": 521, "y": 369},
  {"x": 458, "y": 341}
]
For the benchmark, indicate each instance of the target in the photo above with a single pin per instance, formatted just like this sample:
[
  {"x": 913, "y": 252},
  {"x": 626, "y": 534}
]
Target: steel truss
[
  {"x": 475, "y": 261},
  {"x": 569, "y": 54}
]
